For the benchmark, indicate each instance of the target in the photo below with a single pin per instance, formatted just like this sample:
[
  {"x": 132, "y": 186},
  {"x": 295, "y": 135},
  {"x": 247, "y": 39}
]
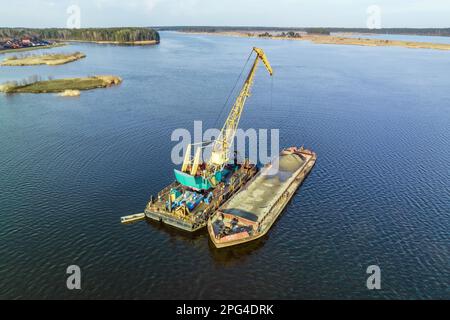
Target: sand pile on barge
[
  {"x": 251, "y": 212},
  {"x": 258, "y": 195}
]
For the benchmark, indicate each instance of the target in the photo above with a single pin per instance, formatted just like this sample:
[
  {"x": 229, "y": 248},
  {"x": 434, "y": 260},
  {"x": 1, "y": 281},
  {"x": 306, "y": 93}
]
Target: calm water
[{"x": 379, "y": 119}]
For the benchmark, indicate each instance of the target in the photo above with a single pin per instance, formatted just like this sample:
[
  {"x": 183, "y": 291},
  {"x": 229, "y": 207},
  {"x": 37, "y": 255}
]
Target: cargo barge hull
[{"x": 251, "y": 212}]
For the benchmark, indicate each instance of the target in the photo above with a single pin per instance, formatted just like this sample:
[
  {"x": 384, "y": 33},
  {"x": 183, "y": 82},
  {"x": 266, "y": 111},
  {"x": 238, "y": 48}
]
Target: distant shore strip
[{"x": 333, "y": 39}]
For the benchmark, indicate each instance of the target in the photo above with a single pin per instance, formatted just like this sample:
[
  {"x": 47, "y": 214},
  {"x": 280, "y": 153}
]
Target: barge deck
[
  {"x": 251, "y": 212},
  {"x": 191, "y": 209}
]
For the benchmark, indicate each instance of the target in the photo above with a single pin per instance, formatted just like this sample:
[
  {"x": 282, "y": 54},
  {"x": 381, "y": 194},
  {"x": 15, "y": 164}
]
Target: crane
[
  {"x": 212, "y": 173},
  {"x": 222, "y": 144}
]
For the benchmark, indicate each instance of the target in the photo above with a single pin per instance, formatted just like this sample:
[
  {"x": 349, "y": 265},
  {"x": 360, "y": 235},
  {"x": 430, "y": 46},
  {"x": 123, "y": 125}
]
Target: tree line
[{"x": 91, "y": 34}]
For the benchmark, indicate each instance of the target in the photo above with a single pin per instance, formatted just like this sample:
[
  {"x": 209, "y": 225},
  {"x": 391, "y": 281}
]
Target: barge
[
  {"x": 251, "y": 212},
  {"x": 185, "y": 208}
]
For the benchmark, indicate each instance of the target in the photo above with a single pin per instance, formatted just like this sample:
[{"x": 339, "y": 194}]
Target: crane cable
[
  {"x": 232, "y": 90},
  {"x": 271, "y": 93}
]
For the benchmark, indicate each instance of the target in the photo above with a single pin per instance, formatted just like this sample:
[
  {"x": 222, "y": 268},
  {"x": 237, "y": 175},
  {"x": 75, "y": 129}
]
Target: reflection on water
[
  {"x": 234, "y": 256},
  {"x": 224, "y": 257},
  {"x": 175, "y": 233}
]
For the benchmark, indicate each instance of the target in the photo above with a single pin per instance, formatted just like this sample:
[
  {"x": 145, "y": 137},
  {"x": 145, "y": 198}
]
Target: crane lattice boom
[
  {"x": 203, "y": 176},
  {"x": 221, "y": 147}
]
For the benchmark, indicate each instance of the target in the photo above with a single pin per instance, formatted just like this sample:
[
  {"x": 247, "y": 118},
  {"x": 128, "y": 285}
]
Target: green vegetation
[
  {"x": 36, "y": 85},
  {"x": 48, "y": 59},
  {"x": 120, "y": 35},
  {"x": 320, "y": 31},
  {"x": 290, "y": 34},
  {"x": 265, "y": 35}
]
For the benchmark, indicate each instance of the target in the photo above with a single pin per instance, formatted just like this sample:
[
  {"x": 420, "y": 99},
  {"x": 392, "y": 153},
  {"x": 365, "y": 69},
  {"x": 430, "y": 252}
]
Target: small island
[
  {"x": 61, "y": 86},
  {"x": 47, "y": 59}
]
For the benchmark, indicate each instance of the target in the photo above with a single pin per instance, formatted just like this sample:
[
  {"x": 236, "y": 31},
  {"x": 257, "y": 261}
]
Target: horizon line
[{"x": 222, "y": 26}]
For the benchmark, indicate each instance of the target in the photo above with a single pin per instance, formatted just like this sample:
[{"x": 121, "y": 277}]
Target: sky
[{"x": 274, "y": 13}]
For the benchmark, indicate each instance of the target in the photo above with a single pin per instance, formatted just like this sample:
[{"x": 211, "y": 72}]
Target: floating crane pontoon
[{"x": 201, "y": 187}]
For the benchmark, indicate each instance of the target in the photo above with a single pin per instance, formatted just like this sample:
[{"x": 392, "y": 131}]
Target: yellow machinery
[
  {"x": 189, "y": 175},
  {"x": 221, "y": 146}
]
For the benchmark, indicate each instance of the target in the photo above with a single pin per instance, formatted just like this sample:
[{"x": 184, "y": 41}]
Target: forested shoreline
[{"x": 124, "y": 35}]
